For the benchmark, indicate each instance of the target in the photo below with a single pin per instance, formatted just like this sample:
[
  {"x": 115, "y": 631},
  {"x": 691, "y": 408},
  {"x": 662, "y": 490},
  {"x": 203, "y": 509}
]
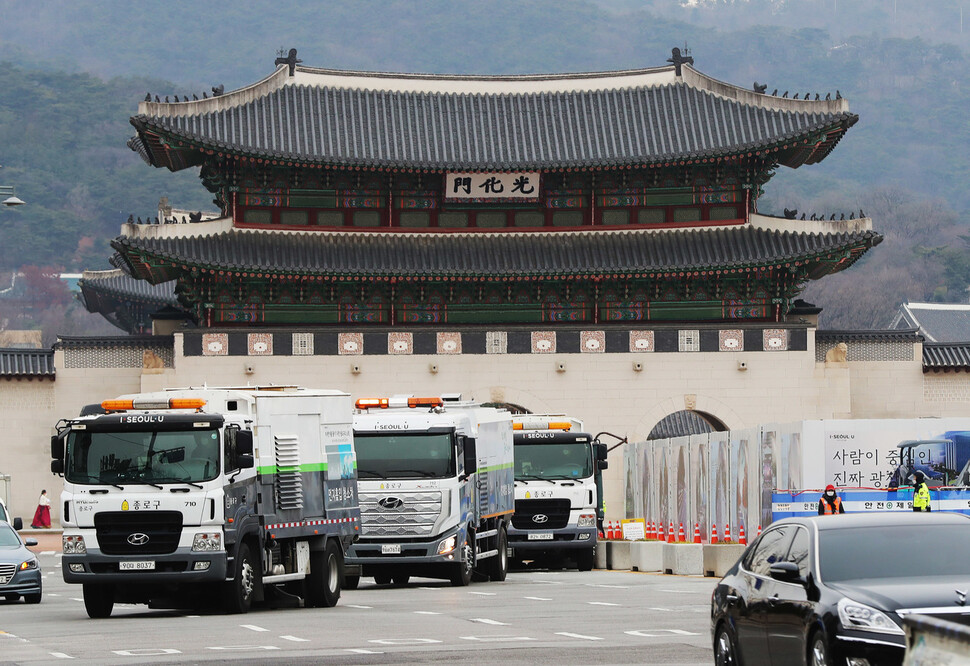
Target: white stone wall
[{"x": 27, "y": 412}]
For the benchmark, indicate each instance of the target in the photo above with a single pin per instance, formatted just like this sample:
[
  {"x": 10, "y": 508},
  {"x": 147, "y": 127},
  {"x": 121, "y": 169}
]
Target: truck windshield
[
  {"x": 179, "y": 456},
  {"x": 400, "y": 456},
  {"x": 553, "y": 461}
]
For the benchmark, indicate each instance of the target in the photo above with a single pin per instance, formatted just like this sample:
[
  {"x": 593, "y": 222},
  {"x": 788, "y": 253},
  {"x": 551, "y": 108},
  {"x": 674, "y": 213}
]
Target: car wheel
[
  {"x": 818, "y": 654},
  {"x": 725, "y": 647},
  {"x": 32, "y": 598},
  {"x": 239, "y": 591},
  {"x": 98, "y": 600},
  {"x": 326, "y": 574}
]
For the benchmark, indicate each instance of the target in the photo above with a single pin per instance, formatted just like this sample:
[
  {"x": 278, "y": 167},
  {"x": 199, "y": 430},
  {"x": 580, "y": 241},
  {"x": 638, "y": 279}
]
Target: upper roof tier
[{"x": 489, "y": 123}]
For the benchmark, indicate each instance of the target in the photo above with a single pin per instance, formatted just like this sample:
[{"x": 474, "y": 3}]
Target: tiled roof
[
  {"x": 680, "y": 424},
  {"x": 135, "y": 341},
  {"x": 116, "y": 284},
  {"x": 871, "y": 335},
  {"x": 480, "y": 254},
  {"x": 652, "y": 121},
  {"x": 26, "y": 363},
  {"x": 946, "y": 356},
  {"x": 937, "y": 322}
]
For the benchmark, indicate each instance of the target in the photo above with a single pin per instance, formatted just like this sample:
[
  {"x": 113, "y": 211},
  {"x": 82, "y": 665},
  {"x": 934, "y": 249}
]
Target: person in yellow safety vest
[
  {"x": 921, "y": 496},
  {"x": 830, "y": 503}
]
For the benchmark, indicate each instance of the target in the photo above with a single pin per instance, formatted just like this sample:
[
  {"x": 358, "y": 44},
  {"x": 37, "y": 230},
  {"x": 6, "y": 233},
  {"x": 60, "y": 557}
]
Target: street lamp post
[{"x": 8, "y": 197}]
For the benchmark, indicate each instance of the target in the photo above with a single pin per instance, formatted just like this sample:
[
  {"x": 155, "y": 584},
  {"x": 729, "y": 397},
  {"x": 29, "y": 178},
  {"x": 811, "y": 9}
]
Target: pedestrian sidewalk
[{"x": 47, "y": 538}]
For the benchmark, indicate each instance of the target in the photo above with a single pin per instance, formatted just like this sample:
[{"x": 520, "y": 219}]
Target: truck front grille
[
  {"x": 553, "y": 514},
  {"x": 399, "y": 513},
  {"x": 138, "y": 532}
]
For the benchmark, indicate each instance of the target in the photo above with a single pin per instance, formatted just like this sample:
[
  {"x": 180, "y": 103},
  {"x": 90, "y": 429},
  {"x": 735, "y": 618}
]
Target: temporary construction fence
[{"x": 726, "y": 481}]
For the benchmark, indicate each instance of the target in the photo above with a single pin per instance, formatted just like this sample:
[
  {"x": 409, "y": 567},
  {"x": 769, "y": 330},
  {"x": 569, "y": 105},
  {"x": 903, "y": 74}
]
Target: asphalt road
[{"x": 560, "y": 617}]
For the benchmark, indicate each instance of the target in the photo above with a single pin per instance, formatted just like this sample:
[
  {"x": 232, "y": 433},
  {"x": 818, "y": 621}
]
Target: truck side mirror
[
  {"x": 57, "y": 466},
  {"x": 244, "y": 444},
  {"x": 246, "y": 461},
  {"x": 601, "y": 453},
  {"x": 602, "y": 464},
  {"x": 471, "y": 459}
]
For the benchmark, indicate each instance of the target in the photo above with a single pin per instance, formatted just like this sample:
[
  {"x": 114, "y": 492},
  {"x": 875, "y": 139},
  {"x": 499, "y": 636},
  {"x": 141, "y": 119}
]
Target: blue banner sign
[{"x": 805, "y": 502}]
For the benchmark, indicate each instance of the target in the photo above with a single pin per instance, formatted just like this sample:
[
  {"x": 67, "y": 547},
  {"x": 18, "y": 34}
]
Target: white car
[{"x": 6, "y": 518}]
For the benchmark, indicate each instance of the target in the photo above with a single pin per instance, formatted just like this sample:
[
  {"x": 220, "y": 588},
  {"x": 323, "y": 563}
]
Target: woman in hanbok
[{"x": 42, "y": 516}]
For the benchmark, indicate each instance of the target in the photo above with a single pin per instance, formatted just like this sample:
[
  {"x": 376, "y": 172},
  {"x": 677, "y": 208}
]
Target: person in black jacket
[{"x": 830, "y": 504}]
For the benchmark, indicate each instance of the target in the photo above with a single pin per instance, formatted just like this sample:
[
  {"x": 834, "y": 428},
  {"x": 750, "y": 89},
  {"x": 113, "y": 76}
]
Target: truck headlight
[
  {"x": 447, "y": 545},
  {"x": 73, "y": 545},
  {"x": 29, "y": 564},
  {"x": 854, "y": 615},
  {"x": 207, "y": 541},
  {"x": 587, "y": 520}
]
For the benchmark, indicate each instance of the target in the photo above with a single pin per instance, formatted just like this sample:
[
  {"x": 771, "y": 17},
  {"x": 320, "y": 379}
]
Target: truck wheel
[
  {"x": 461, "y": 575},
  {"x": 98, "y": 600},
  {"x": 326, "y": 574},
  {"x": 239, "y": 591},
  {"x": 585, "y": 560},
  {"x": 351, "y": 582},
  {"x": 498, "y": 566}
]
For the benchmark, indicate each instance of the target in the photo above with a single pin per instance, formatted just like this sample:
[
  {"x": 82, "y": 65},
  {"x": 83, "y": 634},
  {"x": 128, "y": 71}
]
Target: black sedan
[
  {"x": 19, "y": 570},
  {"x": 834, "y": 589}
]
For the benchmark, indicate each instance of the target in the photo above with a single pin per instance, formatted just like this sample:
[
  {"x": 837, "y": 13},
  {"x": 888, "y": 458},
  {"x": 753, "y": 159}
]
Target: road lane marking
[
  {"x": 538, "y": 598},
  {"x": 616, "y": 587},
  {"x": 51, "y": 594},
  {"x": 49, "y": 552},
  {"x": 662, "y": 610},
  {"x": 240, "y": 648},
  {"x": 601, "y": 603},
  {"x": 252, "y": 627},
  {"x": 61, "y": 655},
  {"x": 652, "y": 633},
  {"x": 585, "y": 638},
  {"x": 485, "y": 620},
  {"x": 356, "y": 606},
  {"x": 295, "y": 639},
  {"x": 76, "y": 599},
  {"x": 146, "y": 652},
  {"x": 484, "y": 594},
  {"x": 363, "y": 651},
  {"x": 426, "y": 613},
  {"x": 403, "y": 641},
  {"x": 496, "y": 639}
]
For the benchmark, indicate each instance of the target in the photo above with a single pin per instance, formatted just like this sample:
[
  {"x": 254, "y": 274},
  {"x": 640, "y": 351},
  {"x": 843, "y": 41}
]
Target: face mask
[{"x": 830, "y": 493}]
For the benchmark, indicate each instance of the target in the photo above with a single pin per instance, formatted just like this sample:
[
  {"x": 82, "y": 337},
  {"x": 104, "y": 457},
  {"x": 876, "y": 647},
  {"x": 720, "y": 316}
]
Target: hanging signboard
[{"x": 471, "y": 187}]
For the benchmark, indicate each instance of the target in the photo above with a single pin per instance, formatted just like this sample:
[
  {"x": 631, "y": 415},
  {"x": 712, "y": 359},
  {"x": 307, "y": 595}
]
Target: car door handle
[
  {"x": 772, "y": 600},
  {"x": 730, "y": 598}
]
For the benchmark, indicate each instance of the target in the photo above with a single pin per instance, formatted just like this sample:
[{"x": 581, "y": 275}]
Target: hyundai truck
[
  {"x": 184, "y": 496},
  {"x": 558, "y": 491},
  {"x": 435, "y": 478}
]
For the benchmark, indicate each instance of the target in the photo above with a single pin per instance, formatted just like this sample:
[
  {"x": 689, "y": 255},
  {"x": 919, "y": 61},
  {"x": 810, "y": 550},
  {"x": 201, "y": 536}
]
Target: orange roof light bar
[
  {"x": 186, "y": 403},
  {"x": 551, "y": 425},
  {"x": 117, "y": 405},
  {"x": 425, "y": 402},
  {"x": 174, "y": 403},
  {"x": 366, "y": 403}
]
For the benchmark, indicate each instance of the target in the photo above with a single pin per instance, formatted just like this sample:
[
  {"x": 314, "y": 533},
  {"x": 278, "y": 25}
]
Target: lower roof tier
[{"x": 585, "y": 255}]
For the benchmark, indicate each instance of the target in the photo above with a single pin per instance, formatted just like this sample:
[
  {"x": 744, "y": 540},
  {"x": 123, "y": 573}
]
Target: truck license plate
[
  {"x": 540, "y": 536},
  {"x": 391, "y": 549},
  {"x": 136, "y": 566}
]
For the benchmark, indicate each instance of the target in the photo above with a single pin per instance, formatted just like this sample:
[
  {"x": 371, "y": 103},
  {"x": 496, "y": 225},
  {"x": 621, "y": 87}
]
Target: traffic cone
[
  {"x": 713, "y": 533},
  {"x": 759, "y": 530},
  {"x": 651, "y": 532},
  {"x": 741, "y": 538},
  {"x": 612, "y": 531},
  {"x": 681, "y": 537},
  {"x": 670, "y": 532},
  {"x": 660, "y": 532},
  {"x": 727, "y": 532},
  {"x": 697, "y": 533}
]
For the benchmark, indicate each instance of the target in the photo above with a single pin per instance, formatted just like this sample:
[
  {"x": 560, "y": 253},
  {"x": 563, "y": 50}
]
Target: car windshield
[
  {"x": 410, "y": 456},
  {"x": 142, "y": 456},
  {"x": 553, "y": 461},
  {"x": 880, "y": 552},
  {"x": 8, "y": 538}
]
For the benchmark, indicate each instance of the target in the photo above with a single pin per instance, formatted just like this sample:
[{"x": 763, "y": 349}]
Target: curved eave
[
  {"x": 158, "y": 264},
  {"x": 946, "y": 357},
  {"x": 176, "y": 150}
]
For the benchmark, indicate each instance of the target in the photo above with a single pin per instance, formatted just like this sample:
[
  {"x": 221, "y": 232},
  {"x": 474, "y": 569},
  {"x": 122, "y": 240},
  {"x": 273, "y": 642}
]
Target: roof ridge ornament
[
  {"x": 290, "y": 60},
  {"x": 676, "y": 59}
]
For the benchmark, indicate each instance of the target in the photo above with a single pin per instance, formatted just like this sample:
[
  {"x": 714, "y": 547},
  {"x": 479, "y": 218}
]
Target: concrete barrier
[
  {"x": 718, "y": 558},
  {"x": 933, "y": 641},
  {"x": 684, "y": 559},
  {"x": 648, "y": 555},
  {"x": 618, "y": 555}
]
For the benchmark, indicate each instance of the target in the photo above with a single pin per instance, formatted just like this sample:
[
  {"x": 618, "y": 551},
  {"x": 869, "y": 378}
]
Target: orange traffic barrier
[
  {"x": 741, "y": 538},
  {"x": 727, "y": 532},
  {"x": 713, "y": 533},
  {"x": 697, "y": 533},
  {"x": 681, "y": 537}
]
